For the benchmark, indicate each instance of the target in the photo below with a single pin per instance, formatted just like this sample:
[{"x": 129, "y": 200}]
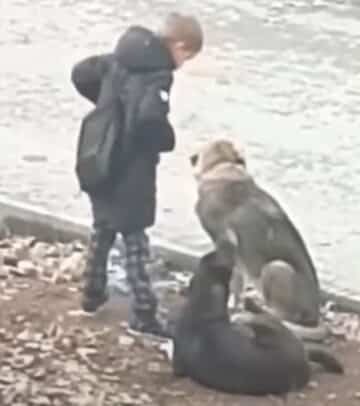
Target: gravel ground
[{"x": 51, "y": 354}]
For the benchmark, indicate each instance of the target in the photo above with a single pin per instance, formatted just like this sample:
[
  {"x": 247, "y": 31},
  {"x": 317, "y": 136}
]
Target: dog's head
[
  {"x": 209, "y": 288},
  {"x": 216, "y": 153}
]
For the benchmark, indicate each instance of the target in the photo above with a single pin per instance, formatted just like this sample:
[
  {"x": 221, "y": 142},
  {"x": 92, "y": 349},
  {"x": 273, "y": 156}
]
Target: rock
[
  {"x": 77, "y": 246},
  {"x": 47, "y": 347},
  {"x": 21, "y": 285},
  {"x": 313, "y": 384},
  {"x": 145, "y": 398},
  {"x": 4, "y": 270},
  {"x": 40, "y": 400},
  {"x": 154, "y": 367},
  {"x": 22, "y": 361},
  {"x": 53, "y": 251},
  {"x": 73, "y": 265},
  {"x": 7, "y": 377},
  {"x": 10, "y": 291},
  {"x": 167, "y": 348},
  {"x": 4, "y": 242},
  {"x": 127, "y": 400},
  {"x": 100, "y": 401},
  {"x": 32, "y": 345},
  {"x": 38, "y": 252},
  {"x": 126, "y": 341},
  {"x": 39, "y": 373},
  {"x": 54, "y": 391},
  {"x": 10, "y": 259},
  {"x": 54, "y": 330},
  {"x": 26, "y": 269},
  {"x": 25, "y": 335},
  {"x": 6, "y": 335},
  {"x": 20, "y": 318},
  {"x": 6, "y": 298},
  {"x": 49, "y": 266},
  {"x": 62, "y": 383},
  {"x": 67, "y": 344},
  {"x": 173, "y": 393},
  {"x": 21, "y": 250}
]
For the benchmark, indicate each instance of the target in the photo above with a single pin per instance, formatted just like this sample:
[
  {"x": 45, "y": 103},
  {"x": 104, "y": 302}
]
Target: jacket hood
[{"x": 139, "y": 49}]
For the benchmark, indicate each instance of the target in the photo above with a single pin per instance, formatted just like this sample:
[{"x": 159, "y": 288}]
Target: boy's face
[{"x": 181, "y": 53}]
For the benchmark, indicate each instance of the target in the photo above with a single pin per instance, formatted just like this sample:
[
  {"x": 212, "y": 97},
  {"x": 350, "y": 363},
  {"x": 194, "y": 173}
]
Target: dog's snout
[{"x": 194, "y": 159}]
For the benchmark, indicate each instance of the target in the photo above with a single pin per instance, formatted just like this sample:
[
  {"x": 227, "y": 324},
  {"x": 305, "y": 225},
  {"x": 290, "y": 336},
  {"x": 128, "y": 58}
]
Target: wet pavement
[{"x": 281, "y": 76}]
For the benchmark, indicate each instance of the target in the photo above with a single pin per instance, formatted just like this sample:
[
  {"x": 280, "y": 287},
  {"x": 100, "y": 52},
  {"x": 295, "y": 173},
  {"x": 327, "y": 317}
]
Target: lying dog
[
  {"x": 233, "y": 209},
  {"x": 256, "y": 358}
]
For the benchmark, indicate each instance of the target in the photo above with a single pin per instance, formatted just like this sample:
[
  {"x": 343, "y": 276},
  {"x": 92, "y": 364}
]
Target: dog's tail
[
  {"x": 325, "y": 358},
  {"x": 315, "y": 334}
]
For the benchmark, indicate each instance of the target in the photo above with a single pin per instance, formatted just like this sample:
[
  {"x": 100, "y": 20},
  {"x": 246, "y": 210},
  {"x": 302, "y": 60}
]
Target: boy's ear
[{"x": 179, "y": 45}]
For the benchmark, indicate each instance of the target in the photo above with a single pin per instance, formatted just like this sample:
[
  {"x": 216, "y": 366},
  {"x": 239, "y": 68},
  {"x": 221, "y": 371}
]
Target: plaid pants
[
  {"x": 101, "y": 240},
  {"x": 137, "y": 256}
]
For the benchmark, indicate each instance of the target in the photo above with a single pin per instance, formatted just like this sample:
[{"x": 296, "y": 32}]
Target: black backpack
[{"x": 100, "y": 140}]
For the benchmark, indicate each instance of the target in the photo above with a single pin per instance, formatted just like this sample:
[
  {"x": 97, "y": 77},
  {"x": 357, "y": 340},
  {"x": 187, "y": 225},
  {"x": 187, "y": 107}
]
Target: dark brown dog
[{"x": 258, "y": 357}]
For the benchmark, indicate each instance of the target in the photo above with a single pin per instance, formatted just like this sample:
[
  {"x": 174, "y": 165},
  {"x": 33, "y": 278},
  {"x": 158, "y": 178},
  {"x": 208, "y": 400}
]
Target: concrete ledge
[{"x": 26, "y": 219}]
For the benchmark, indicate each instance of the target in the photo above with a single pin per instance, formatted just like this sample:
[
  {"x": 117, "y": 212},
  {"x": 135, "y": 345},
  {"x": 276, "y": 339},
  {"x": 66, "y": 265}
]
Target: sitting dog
[
  {"x": 258, "y": 357},
  {"x": 233, "y": 209}
]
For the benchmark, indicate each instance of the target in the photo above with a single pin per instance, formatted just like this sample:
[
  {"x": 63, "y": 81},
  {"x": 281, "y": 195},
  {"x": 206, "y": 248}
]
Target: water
[{"x": 281, "y": 76}]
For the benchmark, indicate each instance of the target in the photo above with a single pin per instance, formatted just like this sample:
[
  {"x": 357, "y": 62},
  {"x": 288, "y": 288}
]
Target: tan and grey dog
[{"x": 269, "y": 250}]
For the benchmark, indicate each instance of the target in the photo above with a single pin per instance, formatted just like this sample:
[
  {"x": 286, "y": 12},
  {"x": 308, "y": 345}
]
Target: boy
[{"x": 129, "y": 207}]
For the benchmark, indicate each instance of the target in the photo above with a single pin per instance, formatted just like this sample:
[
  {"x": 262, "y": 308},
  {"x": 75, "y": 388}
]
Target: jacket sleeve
[
  {"x": 153, "y": 125},
  {"x": 87, "y": 74}
]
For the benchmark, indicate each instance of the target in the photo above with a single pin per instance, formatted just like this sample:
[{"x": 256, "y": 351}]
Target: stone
[
  {"x": 20, "y": 318},
  {"x": 53, "y": 251},
  {"x": 154, "y": 367},
  {"x": 38, "y": 252},
  {"x": 4, "y": 270},
  {"x": 4, "y": 242},
  {"x": 10, "y": 259},
  {"x": 39, "y": 373},
  {"x": 313, "y": 384},
  {"x": 40, "y": 400},
  {"x": 73, "y": 265},
  {"x": 126, "y": 341},
  {"x": 22, "y": 361},
  {"x": 21, "y": 250},
  {"x": 26, "y": 269},
  {"x": 25, "y": 335}
]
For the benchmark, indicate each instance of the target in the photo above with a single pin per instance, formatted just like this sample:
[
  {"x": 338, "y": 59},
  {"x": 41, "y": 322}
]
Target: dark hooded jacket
[{"x": 130, "y": 204}]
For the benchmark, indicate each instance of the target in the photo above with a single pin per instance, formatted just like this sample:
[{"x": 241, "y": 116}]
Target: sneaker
[
  {"x": 153, "y": 328},
  {"x": 91, "y": 304}
]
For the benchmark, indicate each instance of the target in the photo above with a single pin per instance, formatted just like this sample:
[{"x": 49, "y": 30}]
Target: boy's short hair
[{"x": 183, "y": 28}]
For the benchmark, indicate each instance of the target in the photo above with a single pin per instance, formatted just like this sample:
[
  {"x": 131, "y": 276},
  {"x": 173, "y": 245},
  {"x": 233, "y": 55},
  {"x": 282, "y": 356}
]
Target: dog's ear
[
  {"x": 240, "y": 161},
  {"x": 239, "y": 155},
  {"x": 194, "y": 158}
]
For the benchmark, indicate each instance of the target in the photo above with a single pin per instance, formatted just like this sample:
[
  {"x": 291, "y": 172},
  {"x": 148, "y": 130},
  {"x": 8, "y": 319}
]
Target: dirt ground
[{"x": 51, "y": 354}]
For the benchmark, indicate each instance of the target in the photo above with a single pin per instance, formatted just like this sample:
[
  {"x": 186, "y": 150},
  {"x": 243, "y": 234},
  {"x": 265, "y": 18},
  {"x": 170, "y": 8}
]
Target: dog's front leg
[{"x": 238, "y": 284}]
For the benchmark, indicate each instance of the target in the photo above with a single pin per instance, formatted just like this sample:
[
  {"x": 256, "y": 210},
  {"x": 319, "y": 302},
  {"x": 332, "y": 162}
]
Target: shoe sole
[{"x": 138, "y": 333}]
